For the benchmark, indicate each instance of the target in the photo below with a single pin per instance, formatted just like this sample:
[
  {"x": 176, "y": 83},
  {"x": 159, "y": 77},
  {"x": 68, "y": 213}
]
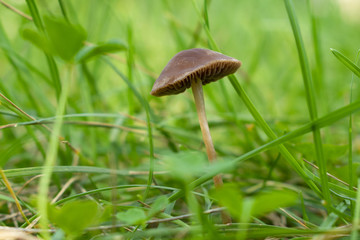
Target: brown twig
[
  {"x": 27, "y": 182},
  {"x": 330, "y": 175},
  {"x": 144, "y": 204},
  {"x": 15, "y": 10},
  {"x": 13, "y": 195},
  {"x": 13, "y": 218},
  {"x": 63, "y": 189},
  {"x": 294, "y": 218},
  {"x": 10, "y": 216},
  {"x": 106, "y": 125},
  {"x": 76, "y": 151}
]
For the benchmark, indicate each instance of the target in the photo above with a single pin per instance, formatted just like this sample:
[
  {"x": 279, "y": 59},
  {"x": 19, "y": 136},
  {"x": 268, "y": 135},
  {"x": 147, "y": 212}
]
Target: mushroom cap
[{"x": 192, "y": 64}]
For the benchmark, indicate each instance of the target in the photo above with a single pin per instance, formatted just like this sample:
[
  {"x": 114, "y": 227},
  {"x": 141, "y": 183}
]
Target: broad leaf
[
  {"x": 159, "y": 204},
  {"x": 65, "y": 39},
  {"x": 186, "y": 165},
  {"x": 269, "y": 201},
  {"x": 332, "y": 152},
  {"x": 36, "y": 38},
  {"x": 75, "y": 216},
  {"x": 132, "y": 216},
  {"x": 230, "y": 197}
]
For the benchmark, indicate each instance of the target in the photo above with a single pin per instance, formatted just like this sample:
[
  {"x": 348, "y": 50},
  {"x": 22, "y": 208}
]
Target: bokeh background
[{"x": 257, "y": 32}]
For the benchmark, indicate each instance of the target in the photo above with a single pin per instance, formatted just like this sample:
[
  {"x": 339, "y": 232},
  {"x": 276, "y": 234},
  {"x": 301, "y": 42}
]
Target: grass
[{"x": 87, "y": 153}]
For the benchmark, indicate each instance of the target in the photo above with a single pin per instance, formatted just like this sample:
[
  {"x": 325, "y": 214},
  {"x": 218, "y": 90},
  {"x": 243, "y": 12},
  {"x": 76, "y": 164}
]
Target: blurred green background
[{"x": 256, "y": 32}]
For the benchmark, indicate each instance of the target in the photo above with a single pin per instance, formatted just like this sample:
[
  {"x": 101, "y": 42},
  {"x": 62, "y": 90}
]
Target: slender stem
[
  {"x": 311, "y": 102},
  {"x": 210, "y": 150},
  {"x": 200, "y": 108},
  {"x": 17, "y": 203},
  {"x": 51, "y": 155},
  {"x": 15, "y": 10}
]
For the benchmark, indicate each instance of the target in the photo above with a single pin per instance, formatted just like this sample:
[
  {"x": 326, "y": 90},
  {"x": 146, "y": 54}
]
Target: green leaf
[
  {"x": 159, "y": 204},
  {"x": 89, "y": 52},
  {"x": 36, "y": 38},
  {"x": 132, "y": 216},
  {"x": 65, "y": 39},
  {"x": 75, "y": 216},
  {"x": 343, "y": 172},
  {"x": 269, "y": 201},
  {"x": 58, "y": 235},
  {"x": 347, "y": 62},
  {"x": 230, "y": 197},
  {"x": 184, "y": 166},
  {"x": 332, "y": 152}
]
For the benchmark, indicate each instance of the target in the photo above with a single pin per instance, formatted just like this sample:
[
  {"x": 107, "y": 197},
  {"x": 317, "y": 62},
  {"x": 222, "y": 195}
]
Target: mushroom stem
[{"x": 197, "y": 90}]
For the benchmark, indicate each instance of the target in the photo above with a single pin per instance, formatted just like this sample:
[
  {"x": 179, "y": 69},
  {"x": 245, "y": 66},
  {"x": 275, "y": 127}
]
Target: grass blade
[
  {"x": 319, "y": 123},
  {"x": 310, "y": 97},
  {"x": 63, "y": 10},
  {"x": 319, "y": 70},
  {"x": 347, "y": 62},
  {"x": 50, "y": 60},
  {"x": 32, "y": 171},
  {"x": 146, "y": 106},
  {"x": 13, "y": 195},
  {"x": 356, "y": 220},
  {"x": 350, "y": 159},
  {"x": 51, "y": 155}
]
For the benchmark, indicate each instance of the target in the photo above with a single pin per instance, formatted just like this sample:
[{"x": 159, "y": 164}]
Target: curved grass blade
[
  {"x": 310, "y": 98},
  {"x": 51, "y": 154},
  {"x": 148, "y": 121},
  {"x": 319, "y": 123},
  {"x": 13, "y": 195},
  {"x": 350, "y": 137},
  {"x": 32, "y": 171},
  {"x": 88, "y": 52},
  {"x": 50, "y": 60},
  {"x": 356, "y": 220},
  {"x": 347, "y": 62}
]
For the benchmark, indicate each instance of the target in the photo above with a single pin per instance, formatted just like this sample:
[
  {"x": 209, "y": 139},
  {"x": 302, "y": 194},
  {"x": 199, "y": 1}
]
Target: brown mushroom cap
[{"x": 192, "y": 64}]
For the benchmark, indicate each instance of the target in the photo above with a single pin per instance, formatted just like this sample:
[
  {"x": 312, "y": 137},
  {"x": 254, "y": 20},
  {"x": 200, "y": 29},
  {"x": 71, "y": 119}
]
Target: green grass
[{"x": 88, "y": 153}]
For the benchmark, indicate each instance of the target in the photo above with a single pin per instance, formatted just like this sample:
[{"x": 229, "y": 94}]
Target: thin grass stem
[
  {"x": 356, "y": 220},
  {"x": 350, "y": 158},
  {"x": 13, "y": 195},
  {"x": 51, "y": 153},
  {"x": 310, "y": 99},
  {"x": 319, "y": 123},
  {"x": 15, "y": 10},
  {"x": 50, "y": 60},
  {"x": 146, "y": 106},
  {"x": 63, "y": 10}
]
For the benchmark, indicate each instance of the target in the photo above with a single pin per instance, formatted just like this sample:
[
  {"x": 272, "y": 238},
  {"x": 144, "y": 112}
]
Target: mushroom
[{"x": 194, "y": 68}]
